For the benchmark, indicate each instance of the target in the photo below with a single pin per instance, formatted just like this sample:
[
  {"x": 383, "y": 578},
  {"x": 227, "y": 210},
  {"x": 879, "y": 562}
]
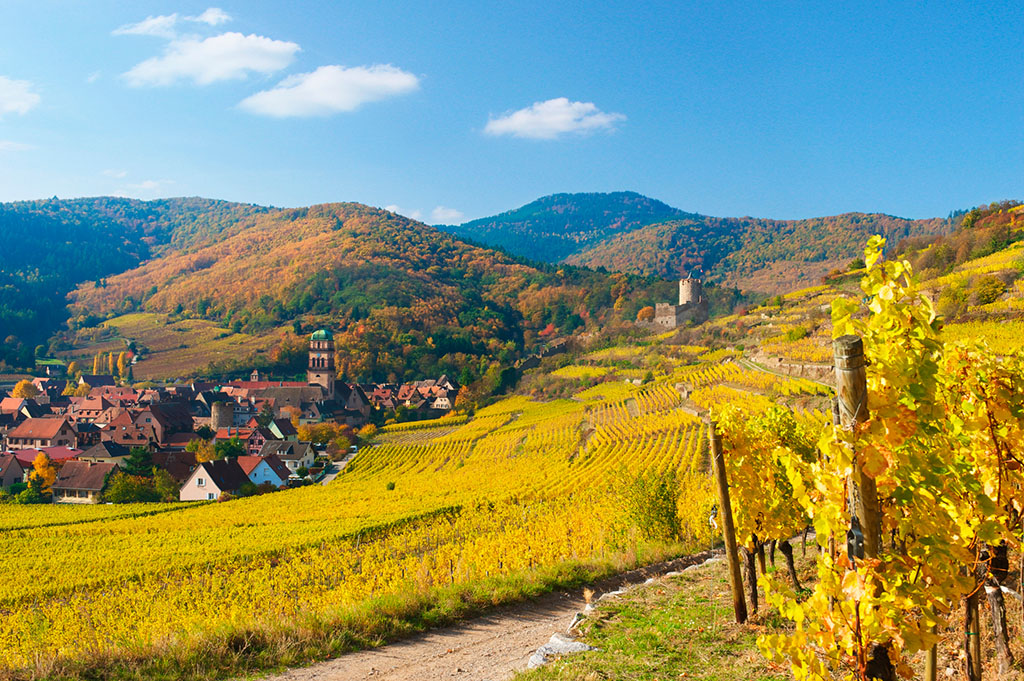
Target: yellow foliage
[{"x": 25, "y": 389}]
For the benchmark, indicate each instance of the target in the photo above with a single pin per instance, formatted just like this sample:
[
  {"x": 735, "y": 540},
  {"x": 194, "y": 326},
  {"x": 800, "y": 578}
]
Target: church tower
[{"x": 321, "y": 369}]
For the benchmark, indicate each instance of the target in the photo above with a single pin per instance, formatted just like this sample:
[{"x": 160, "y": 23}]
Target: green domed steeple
[{"x": 322, "y": 335}]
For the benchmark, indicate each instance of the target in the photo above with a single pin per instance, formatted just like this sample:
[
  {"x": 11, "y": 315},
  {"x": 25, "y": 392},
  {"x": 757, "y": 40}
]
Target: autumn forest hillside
[
  {"x": 47, "y": 247},
  {"x": 404, "y": 299}
]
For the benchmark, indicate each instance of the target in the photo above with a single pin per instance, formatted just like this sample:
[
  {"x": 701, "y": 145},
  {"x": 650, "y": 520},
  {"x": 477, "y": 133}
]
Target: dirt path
[{"x": 489, "y": 648}]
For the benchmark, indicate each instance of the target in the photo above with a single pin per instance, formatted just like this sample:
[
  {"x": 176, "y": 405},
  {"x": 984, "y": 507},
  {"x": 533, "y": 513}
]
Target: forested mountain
[
  {"x": 749, "y": 253},
  {"x": 556, "y": 226},
  {"x": 628, "y": 232},
  {"x": 47, "y": 247},
  {"x": 403, "y": 298}
]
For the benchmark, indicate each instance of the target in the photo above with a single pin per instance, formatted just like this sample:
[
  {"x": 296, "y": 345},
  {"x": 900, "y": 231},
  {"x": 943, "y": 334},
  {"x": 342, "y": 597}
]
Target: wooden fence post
[{"x": 728, "y": 529}]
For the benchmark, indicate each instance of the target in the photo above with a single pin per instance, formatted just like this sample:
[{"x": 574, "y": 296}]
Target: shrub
[
  {"x": 796, "y": 334},
  {"x": 650, "y": 501},
  {"x": 987, "y": 289},
  {"x": 390, "y": 486}
]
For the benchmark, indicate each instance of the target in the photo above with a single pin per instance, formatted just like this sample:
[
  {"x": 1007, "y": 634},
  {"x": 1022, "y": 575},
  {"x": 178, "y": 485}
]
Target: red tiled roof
[
  {"x": 27, "y": 456},
  {"x": 38, "y": 429}
]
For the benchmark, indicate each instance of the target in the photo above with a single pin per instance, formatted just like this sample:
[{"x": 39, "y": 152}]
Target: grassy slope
[{"x": 675, "y": 628}]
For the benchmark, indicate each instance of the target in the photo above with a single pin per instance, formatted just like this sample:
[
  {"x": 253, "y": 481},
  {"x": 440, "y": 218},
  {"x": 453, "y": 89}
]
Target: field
[{"x": 521, "y": 486}]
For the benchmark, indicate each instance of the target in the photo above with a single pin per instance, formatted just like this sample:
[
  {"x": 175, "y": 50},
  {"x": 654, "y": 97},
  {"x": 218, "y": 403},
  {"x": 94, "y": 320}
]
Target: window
[
  {"x": 200, "y": 482},
  {"x": 209, "y": 496}
]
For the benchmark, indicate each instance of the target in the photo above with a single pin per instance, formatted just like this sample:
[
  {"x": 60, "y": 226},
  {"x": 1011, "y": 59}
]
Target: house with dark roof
[
  {"x": 11, "y": 471},
  {"x": 283, "y": 430},
  {"x": 178, "y": 464},
  {"x": 106, "y": 452},
  {"x": 295, "y": 455},
  {"x": 96, "y": 381},
  {"x": 210, "y": 479},
  {"x": 81, "y": 482}
]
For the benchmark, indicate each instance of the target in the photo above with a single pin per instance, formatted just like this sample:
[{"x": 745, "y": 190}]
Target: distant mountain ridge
[
  {"x": 628, "y": 232},
  {"x": 556, "y": 226}
]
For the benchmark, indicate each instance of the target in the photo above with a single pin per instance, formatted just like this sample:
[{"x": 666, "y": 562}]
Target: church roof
[{"x": 322, "y": 334}]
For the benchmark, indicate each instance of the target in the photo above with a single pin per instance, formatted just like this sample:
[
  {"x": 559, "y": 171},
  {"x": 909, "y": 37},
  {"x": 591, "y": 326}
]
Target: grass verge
[{"x": 674, "y": 628}]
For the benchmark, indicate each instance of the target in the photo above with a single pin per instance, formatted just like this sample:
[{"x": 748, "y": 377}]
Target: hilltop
[
  {"x": 628, "y": 232},
  {"x": 556, "y": 226}
]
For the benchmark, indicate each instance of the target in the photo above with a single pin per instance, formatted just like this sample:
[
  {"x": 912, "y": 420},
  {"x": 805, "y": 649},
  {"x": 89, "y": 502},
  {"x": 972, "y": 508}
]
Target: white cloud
[
  {"x": 550, "y": 119},
  {"x": 118, "y": 174},
  {"x": 446, "y": 216},
  {"x": 331, "y": 89},
  {"x": 228, "y": 56},
  {"x": 214, "y": 16},
  {"x": 160, "y": 26},
  {"x": 93, "y": 77},
  {"x": 412, "y": 215},
  {"x": 8, "y": 145},
  {"x": 16, "y": 96},
  {"x": 166, "y": 25}
]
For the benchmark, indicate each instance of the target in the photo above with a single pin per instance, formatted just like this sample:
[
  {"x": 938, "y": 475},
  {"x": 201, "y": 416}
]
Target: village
[{"x": 210, "y": 440}]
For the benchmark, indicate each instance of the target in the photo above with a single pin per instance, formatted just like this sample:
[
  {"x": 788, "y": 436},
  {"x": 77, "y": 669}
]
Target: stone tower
[
  {"x": 690, "y": 291},
  {"x": 222, "y": 415},
  {"x": 321, "y": 369}
]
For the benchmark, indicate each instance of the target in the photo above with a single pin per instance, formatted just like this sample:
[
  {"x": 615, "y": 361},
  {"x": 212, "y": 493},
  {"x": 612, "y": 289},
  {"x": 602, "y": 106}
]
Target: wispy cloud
[
  {"x": 162, "y": 26},
  {"x": 228, "y": 56},
  {"x": 329, "y": 90},
  {"x": 214, "y": 16},
  {"x": 93, "y": 77},
  {"x": 16, "y": 96},
  {"x": 117, "y": 174},
  {"x": 9, "y": 145},
  {"x": 166, "y": 25},
  {"x": 552, "y": 119},
  {"x": 442, "y": 215}
]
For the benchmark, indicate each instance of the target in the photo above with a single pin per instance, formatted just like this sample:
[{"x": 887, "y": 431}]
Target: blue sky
[{"x": 450, "y": 111}]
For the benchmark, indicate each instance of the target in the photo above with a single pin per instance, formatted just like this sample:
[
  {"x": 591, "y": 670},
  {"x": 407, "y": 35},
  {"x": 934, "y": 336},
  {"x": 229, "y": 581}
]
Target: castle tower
[
  {"x": 321, "y": 369},
  {"x": 690, "y": 291}
]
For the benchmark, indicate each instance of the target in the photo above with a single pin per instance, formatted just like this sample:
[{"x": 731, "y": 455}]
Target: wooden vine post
[
  {"x": 852, "y": 393},
  {"x": 852, "y": 403},
  {"x": 739, "y": 605}
]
